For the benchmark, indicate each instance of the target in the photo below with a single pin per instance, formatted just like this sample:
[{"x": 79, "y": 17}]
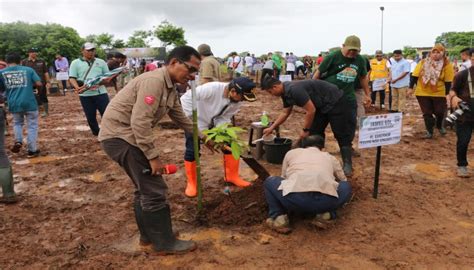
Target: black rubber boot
[
  {"x": 440, "y": 125},
  {"x": 6, "y": 181},
  {"x": 137, "y": 208},
  {"x": 159, "y": 230},
  {"x": 429, "y": 124},
  {"x": 346, "y": 153}
]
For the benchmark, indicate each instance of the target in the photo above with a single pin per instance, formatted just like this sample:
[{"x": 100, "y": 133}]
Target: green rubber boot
[
  {"x": 429, "y": 124},
  {"x": 159, "y": 231},
  {"x": 6, "y": 181},
  {"x": 346, "y": 154}
]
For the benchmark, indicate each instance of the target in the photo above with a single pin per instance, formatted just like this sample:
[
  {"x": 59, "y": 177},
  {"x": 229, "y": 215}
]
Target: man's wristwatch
[{"x": 306, "y": 129}]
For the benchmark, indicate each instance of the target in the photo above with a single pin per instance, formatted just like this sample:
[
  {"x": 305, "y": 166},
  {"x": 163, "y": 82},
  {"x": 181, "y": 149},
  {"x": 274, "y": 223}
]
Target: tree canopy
[
  {"x": 169, "y": 34},
  {"x": 139, "y": 39},
  {"x": 453, "y": 39},
  {"x": 49, "y": 39}
]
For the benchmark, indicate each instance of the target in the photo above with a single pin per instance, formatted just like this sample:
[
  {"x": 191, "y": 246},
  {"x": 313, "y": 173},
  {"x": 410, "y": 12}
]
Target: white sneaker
[
  {"x": 463, "y": 172},
  {"x": 280, "y": 224},
  {"x": 382, "y": 106}
]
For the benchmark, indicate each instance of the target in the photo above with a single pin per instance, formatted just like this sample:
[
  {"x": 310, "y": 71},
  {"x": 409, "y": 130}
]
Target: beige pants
[
  {"x": 399, "y": 97},
  {"x": 360, "y": 96}
]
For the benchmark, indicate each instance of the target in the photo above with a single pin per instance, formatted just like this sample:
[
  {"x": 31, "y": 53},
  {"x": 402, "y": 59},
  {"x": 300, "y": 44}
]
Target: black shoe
[
  {"x": 159, "y": 231},
  {"x": 17, "y": 147},
  {"x": 33, "y": 154},
  {"x": 346, "y": 153}
]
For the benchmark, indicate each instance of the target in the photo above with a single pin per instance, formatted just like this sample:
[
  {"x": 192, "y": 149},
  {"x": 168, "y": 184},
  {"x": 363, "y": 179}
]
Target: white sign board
[
  {"x": 378, "y": 130},
  {"x": 62, "y": 76},
  {"x": 379, "y": 84},
  {"x": 285, "y": 78}
]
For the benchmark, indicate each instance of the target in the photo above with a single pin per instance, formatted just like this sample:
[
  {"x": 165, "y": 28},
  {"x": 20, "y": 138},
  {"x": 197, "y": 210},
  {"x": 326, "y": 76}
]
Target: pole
[
  {"x": 381, "y": 30},
  {"x": 196, "y": 145},
  {"x": 377, "y": 172}
]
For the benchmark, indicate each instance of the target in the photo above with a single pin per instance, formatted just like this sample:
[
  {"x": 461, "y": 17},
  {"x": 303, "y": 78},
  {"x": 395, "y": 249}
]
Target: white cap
[{"x": 88, "y": 46}]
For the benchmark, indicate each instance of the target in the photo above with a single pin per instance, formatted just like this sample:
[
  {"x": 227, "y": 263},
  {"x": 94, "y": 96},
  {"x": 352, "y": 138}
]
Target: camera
[{"x": 463, "y": 108}]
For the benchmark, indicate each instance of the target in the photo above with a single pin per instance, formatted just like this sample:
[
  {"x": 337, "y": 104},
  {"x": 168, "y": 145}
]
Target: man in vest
[{"x": 378, "y": 76}]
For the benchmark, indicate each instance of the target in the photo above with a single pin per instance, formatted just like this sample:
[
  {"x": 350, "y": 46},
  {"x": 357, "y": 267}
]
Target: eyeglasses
[{"x": 191, "y": 69}]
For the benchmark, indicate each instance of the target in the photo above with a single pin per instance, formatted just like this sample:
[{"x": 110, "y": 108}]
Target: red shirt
[
  {"x": 150, "y": 67},
  {"x": 320, "y": 60}
]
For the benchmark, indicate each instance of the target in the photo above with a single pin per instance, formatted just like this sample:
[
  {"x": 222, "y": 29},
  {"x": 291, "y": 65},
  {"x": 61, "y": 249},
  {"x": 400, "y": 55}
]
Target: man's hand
[
  {"x": 48, "y": 85},
  {"x": 155, "y": 166},
  {"x": 210, "y": 145},
  {"x": 410, "y": 92},
  {"x": 367, "y": 101},
  {"x": 455, "y": 102},
  {"x": 79, "y": 89},
  {"x": 267, "y": 131},
  {"x": 304, "y": 134}
]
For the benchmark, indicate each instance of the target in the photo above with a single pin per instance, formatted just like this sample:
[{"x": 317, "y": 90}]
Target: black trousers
[
  {"x": 42, "y": 96},
  {"x": 463, "y": 134},
  {"x": 342, "y": 117},
  {"x": 150, "y": 190}
]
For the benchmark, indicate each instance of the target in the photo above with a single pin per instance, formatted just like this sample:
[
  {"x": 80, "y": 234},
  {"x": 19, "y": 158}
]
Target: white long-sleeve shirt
[{"x": 210, "y": 101}]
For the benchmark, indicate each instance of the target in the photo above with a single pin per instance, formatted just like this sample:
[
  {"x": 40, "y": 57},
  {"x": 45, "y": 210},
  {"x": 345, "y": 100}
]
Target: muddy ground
[{"x": 76, "y": 207}]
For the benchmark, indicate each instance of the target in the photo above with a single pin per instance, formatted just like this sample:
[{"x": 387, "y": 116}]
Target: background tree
[
  {"x": 50, "y": 39},
  {"x": 104, "y": 40},
  {"x": 169, "y": 34},
  {"x": 119, "y": 43},
  {"x": 452, "y": 39},
  {"x": 140, "y": 39},
  {"x": 409, "y": 51}
]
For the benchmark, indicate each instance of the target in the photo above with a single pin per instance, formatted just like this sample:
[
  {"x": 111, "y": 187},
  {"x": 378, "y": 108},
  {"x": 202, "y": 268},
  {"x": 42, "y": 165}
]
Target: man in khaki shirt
[
  {"x": 127, "y": 137},
  {"x": 209, "y": 70},
  {"x": 307, "y": 185}
]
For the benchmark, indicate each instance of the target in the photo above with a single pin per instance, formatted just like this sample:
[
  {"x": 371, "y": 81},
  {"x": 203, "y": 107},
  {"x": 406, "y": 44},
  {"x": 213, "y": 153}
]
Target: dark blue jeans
[
  {"x": 303, "y": 202},
  {"x": 189, "y": 153},
  {"x": 463, "y": 133},
  {"x": 91, "y": 105}
]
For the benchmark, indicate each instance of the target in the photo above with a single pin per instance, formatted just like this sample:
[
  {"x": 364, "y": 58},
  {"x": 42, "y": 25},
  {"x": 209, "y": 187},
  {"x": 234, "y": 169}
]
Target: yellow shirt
[
  {"x": 378, "y": 69},
  {"x": 447, "y": 75}
]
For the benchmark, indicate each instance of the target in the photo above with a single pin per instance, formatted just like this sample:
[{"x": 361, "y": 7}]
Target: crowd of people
[{"x": 335, "y": 90}]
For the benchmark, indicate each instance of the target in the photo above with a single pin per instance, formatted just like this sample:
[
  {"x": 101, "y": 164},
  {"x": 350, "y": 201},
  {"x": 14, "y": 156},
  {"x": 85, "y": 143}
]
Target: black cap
[
  {"x": 244, "y": 86},
  {"x": 33, "y": 50}
]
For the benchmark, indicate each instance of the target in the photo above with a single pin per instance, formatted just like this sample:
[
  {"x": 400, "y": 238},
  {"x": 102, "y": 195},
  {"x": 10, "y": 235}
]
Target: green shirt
[
  {"x": 343, "y": 72},
  {"x": 78, "y": 70},
  {"x": 276, "y": 59}
]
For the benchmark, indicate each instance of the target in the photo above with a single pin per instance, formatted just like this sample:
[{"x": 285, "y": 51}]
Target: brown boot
[
  {"x": 191, "y": 186},
  {"x": 231, "y": 166}
]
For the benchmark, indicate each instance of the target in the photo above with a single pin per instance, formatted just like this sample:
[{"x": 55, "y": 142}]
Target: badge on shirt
[{"x": 149, "y": 100}]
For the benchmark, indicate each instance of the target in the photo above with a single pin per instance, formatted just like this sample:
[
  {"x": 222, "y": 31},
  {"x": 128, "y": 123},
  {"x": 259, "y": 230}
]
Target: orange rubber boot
[
  {"x": 191, "y": 186},
  {"x": 231, "y": 166}
]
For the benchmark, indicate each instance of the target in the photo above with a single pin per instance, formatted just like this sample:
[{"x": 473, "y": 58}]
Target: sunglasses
[{"x": 191, "y": 69}]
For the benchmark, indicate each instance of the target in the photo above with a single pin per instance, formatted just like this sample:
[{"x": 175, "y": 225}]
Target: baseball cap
[
  {"x": 378, "y": 52},
  {"x": 244, "y": 86},
  {"x": 204, "y": 50},
  {"x": 88, "y": 46},
  {"x": 33, "y": 50},
  {"x": 352, "y": 43}
]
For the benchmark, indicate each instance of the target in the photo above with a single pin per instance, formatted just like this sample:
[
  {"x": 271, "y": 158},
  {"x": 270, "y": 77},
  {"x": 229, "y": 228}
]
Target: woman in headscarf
[{"x": 433, "y": 77}]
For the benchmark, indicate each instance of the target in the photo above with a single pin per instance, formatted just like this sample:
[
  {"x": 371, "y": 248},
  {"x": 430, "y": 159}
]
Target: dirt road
[{"x": 76, "y": 207}]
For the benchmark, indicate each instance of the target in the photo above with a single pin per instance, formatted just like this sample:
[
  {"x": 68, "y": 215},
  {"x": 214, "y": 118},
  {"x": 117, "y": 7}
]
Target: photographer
[{"x": 463, "y": 93}]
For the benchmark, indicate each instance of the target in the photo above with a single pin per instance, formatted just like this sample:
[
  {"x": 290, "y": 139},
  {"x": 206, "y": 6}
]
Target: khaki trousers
[{"x": 399, "y": 97}]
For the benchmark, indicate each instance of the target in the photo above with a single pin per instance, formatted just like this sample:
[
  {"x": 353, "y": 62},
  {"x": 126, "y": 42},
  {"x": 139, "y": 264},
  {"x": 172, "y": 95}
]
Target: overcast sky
[{"x": 258, "y": 26}]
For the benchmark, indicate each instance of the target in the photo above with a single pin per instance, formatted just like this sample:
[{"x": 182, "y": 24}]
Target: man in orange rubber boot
[{"x": 217, "y": 102}]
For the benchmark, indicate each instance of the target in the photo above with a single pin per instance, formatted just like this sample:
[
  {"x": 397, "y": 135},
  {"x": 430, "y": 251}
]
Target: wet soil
[{"x": 76, "y": 206}]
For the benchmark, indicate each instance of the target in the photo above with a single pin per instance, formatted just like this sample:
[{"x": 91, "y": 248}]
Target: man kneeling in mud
[{"x": 308, "y": 185}]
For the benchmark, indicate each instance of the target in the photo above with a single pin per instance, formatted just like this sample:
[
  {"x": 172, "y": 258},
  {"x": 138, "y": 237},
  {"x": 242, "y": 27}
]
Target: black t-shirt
[{"x": 323, "y": 94}]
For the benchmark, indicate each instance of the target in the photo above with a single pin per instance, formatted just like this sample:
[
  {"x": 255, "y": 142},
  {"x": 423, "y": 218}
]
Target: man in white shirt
[
  {"x": 399, "y": 80},
  {"x": 307, "y": 185},
  {"x": 238, "y": 65},
  {"x": 466, "y": 59},
  {"x": 248, "y": 64},
  {"x": 217, "y": 102}
]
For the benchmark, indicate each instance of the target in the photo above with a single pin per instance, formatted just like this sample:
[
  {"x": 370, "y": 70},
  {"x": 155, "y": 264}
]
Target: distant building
[
  {"x": 147, "y": 53},
  {"x": 422, "y": 52}
]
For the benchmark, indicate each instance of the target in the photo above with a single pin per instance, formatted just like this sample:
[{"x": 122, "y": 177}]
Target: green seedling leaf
[{"x": 235, "y": 150}]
